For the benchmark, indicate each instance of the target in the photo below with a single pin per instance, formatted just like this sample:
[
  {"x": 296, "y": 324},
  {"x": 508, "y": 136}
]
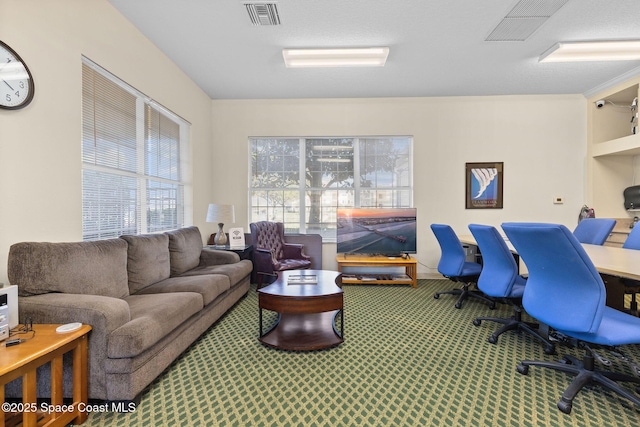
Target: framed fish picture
[{"x": 484, "y": 185}]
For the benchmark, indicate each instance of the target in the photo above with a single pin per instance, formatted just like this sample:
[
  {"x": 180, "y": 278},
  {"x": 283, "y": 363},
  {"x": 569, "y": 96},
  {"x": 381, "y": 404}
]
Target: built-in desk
[{"x": 611, "y": 262}]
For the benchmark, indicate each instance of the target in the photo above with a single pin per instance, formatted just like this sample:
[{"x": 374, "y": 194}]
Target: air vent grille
[
  {"x": 263, "y": 13},
  {"x": 524, "y": 19}
]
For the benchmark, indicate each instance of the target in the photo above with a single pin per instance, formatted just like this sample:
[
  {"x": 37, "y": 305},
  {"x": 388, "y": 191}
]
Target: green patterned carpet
[{"x": 407, "y": 360}]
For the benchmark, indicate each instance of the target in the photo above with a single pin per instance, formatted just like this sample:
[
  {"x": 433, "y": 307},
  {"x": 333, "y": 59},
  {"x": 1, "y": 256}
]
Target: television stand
[{"x": 382, "y": 270}]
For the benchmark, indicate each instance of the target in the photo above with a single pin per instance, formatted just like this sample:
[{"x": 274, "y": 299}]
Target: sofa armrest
[
  {"x": 106, "y": 313},
  {"x": 217, "y": 257}
]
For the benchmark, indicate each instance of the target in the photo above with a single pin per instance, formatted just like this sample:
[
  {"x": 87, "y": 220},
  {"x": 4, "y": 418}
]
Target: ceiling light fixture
[
  {"x": 338, "y": 57},
  {"x": 621, "y": 50},
  {"x": 333, "y": 160},
  {"x": 332, "y": 148}
]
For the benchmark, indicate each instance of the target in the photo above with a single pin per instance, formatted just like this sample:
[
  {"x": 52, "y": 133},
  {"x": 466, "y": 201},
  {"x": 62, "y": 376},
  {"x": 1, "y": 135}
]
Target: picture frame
[{"x": 484, "y": 183}]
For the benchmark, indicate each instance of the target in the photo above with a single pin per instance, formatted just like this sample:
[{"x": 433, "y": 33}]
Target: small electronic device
[
  {"x": 11, "y": 295},
  {"x": 4, "y": 318}
]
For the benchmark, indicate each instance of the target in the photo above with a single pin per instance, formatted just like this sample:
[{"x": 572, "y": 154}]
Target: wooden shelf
[
  {"x": 356, "y": 270},
  {"x": 625, "y": 146}
]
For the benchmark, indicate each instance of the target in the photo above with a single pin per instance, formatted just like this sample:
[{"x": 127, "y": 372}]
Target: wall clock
[{"x": 16, "y": 83}]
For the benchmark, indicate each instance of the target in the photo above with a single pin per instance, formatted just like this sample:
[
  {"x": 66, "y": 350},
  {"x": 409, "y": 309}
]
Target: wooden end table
[
  {"x": 306, "y": 311},
  {"x": 23, "y": 359}
]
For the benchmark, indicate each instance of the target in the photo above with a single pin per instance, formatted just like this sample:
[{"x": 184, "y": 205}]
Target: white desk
[{"x": 608, "y": 260}]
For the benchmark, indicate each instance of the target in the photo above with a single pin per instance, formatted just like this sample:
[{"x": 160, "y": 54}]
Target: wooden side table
[{"x": 23, "y": 359}]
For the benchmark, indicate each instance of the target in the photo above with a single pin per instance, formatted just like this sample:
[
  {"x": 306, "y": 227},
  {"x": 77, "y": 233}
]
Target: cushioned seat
[
  {"x": 453, "y": 265},
  {"x": 500, "y": 279},
  {"x": 210, "y": 286},
  {"x": 272, "y": 254},
  {"x": 566, "y": 292},
  {"x": 152, "y": 318},
  {"x": 235, "y": 272}
]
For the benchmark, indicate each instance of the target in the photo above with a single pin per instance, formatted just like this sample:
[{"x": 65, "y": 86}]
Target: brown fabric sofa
[{"x": 147, "y": 297}]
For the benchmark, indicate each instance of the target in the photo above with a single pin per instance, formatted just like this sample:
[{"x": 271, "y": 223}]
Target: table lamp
[{"x": 220, "y": 214}]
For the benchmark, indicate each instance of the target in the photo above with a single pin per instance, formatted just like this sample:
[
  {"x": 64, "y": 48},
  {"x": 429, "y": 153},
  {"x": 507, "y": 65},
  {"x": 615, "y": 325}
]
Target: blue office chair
[
  {"x": 453, "y": 265},
  {"x": 500, "y": 279},
  {"x": 565, "y": 291},
  {"x": 594, "y": 231},
  {"x": 632, "y": 286}
]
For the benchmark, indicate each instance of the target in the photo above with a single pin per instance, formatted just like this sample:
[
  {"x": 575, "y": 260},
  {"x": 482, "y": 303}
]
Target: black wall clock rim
[{"x": 32, "y": 86}]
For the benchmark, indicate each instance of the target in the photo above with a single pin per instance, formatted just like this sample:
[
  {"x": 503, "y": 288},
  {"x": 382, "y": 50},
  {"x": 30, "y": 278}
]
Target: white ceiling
[{"x": 437, "y": 47}]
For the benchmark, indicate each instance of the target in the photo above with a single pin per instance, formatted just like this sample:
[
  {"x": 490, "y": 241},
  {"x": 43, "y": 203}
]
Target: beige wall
[
  {"x": 540, "y": 139},
  {"x": 40, "y": 164}
]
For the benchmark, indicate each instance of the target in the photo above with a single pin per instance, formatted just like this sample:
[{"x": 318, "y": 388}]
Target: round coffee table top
[{"x": 304, "y": 283}]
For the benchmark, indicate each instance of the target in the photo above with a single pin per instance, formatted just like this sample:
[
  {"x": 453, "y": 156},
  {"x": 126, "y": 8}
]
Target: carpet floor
[{"x": 407, "y": 360}]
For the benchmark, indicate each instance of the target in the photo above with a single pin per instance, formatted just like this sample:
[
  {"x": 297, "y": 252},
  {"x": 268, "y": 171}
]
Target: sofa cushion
[
  {"x": 147, "y": 260},
  {"x": 236, "y": 272},
  {"x": 91, "y": 268},
  {"x": 153, "y": 316},
  {"x": 185, "y": 245},
  {"x": 210, "y": 286}
]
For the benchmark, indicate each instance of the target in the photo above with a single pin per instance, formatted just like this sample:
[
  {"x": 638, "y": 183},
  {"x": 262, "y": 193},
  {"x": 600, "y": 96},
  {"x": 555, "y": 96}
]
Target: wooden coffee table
[{"x": 306, "y": 311}]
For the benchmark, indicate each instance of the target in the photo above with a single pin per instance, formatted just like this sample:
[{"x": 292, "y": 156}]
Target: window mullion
[
  {"x": 303, "y": 185},
  {"x": 140, "y": 165},
  {"x": 356, "y": 172}
]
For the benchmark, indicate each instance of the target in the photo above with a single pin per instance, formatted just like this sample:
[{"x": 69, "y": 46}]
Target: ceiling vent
[
  {"x": 524, "y": 19},
  {"x": 263, "y": 13}
]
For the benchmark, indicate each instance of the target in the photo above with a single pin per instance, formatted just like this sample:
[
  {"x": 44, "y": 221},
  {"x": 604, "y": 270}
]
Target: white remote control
[{"x": 69, "y": 327}]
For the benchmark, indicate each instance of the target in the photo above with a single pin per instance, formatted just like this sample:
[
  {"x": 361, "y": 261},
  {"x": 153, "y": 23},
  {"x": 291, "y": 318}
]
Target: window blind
[{"x": 132, "y": 162}]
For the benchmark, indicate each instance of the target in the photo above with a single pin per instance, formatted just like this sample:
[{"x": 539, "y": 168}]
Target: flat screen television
[{"x": 376, "y": 231}]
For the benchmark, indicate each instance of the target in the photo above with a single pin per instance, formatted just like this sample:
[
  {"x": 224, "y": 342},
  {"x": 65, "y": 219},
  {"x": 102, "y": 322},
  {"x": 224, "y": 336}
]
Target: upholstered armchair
[{"x": 272, "y": 254}]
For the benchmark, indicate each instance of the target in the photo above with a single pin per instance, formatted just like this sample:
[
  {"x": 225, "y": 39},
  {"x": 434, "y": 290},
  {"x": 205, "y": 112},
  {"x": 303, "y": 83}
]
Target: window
[
  {"x": 133, "y": 160},
  {"x": 302, "y": 181}
]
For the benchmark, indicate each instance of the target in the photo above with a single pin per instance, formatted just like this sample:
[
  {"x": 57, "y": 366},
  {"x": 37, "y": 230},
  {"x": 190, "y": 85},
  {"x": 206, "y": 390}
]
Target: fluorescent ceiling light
[
  {"x": 623, "y": 50},
  {"x": 349, "y": 57},
  {"x": 332, "y": 148},
  {"x": 330, "y": 160}
]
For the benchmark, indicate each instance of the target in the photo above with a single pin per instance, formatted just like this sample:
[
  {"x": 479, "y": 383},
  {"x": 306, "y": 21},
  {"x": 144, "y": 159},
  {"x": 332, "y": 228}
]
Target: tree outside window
[{"x": 302, "y": 181}]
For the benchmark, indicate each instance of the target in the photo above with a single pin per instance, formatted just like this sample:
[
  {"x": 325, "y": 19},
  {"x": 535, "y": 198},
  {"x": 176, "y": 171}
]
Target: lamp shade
[{"x": 221, "y": 214}]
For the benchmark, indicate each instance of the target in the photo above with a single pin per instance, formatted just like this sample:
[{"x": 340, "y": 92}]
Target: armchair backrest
[
  {"x": 268, "y": 235},
  {"x": 564, "y": 289},
  {"x": 594, "y": 231},
  {"x": 453, "y": 256},
  {"x": 499, "y": 268}
]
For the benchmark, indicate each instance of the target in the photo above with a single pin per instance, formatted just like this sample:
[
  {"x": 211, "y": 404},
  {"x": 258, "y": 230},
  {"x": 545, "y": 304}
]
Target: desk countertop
[{"x": 607, "y": 259}]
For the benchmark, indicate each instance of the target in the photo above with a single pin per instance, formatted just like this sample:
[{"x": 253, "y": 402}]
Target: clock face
[{"x": 16, "y": 84}]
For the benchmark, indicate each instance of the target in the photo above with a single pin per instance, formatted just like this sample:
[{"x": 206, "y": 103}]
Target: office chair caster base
[
  {"x": 493, "y": 339},
  {"x": 436, "y": 296},
  {"x": 477, "y": 322},
  {"x": 458, "y": 305},
  {"x": 522, "y": 369},
  {"x": 565, "y": 406},
  {"x": 550, "y": 349}
]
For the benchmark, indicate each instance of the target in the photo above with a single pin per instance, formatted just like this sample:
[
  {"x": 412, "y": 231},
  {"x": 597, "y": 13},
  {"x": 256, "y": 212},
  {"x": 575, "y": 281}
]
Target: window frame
[
  {"x": 303, "y": 189},
  {"x": 144, "y": 179}
]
